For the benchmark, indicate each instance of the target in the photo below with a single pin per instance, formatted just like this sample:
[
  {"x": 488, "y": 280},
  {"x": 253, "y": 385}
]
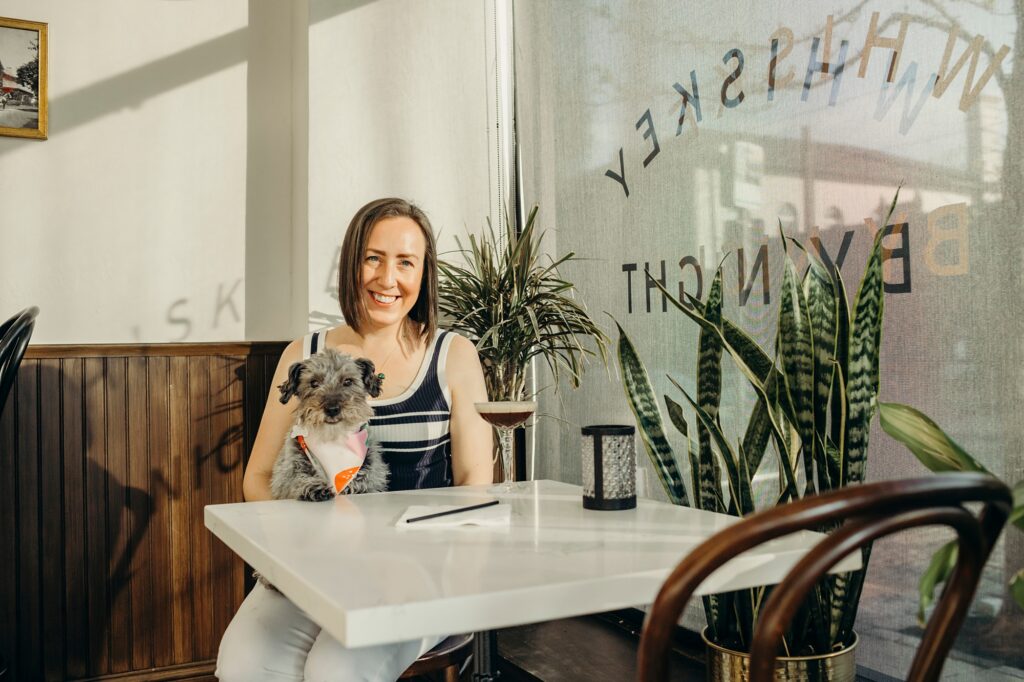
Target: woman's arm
[
  {"x": 472, "y": 441},
  {"x": 274, "y": 426}
]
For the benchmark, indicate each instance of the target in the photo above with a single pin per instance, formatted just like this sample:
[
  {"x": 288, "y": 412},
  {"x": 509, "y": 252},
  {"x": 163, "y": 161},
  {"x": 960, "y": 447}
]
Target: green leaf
[
  {"x": 739, "y": 486},
  {"x": 709, "y": 392},
  {"x": 938, "y": 572},
  {"x": 1017, "y": 587},
  {"x": 925, "y": 439},
  {"x": 759, "y": 430},
  {"x": 862, "y": 386},
  {"x": 822, "y": 311},
  {"x": 675, "y": 414},
  {"x": 797, "y": 358},
  {"x": 641, "y": 400},
  {"x": 841, "y": 370},
  {"x": 1017, "y": 515}
]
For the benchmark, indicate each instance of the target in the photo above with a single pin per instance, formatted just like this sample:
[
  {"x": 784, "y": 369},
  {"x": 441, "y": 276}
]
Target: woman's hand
[
  {"x": 274, "y": 427},
  {"x": 472, "y": 440}
]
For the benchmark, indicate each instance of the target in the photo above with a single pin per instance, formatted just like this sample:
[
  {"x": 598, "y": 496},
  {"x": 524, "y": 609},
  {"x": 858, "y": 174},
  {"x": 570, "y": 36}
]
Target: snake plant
[
  {"x": 515, "y": 306},
  {"x": 815, "y": 399}
]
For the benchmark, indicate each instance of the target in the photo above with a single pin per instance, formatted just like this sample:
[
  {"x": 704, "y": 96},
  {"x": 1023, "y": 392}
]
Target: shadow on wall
[
  {"x": 112, "y": 461},
  {"x": 132, "y": 88}
]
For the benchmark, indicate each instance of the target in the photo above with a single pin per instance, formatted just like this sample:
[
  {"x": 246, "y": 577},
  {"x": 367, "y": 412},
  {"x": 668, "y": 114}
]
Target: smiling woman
[{"x": 424, "y": 423}]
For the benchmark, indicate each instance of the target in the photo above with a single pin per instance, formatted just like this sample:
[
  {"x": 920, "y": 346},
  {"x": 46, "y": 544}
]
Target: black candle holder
[{"x": 609, "y": 467}]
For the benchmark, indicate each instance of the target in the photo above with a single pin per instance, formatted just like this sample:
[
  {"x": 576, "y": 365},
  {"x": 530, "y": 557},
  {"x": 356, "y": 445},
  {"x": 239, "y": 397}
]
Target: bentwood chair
[
  {"x": 14, "y": 336},
  {"x": 867, "y": 512},
  {"x": 447, "y": 657}
]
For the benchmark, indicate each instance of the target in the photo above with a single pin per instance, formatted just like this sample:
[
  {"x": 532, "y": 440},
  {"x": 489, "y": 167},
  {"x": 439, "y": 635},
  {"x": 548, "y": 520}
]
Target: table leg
[{"x": 485, "y": 656}]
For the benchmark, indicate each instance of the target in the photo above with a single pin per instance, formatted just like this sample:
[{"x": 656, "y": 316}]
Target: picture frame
[{"x": 23, "y": 78}]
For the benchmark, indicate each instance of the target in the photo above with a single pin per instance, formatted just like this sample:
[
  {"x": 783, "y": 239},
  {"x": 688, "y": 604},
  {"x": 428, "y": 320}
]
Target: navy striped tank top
[{"x": 412, "y": 429}]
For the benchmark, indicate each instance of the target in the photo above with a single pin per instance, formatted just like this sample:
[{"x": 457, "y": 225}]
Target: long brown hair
[{"x": 353, "y": 250}]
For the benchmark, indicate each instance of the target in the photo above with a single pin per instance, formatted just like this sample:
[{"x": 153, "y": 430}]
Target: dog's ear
[
  {"x": 371, "y": 379},
  {"x": 291, "y": 386}
]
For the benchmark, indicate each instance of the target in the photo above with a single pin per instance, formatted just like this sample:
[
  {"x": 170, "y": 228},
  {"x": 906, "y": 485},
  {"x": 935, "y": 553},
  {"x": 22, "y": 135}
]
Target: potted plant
[
  {"x": 940, "y": 453},
  {"x": 515, "y": 306},
  {"x": 815, "y": 399}
]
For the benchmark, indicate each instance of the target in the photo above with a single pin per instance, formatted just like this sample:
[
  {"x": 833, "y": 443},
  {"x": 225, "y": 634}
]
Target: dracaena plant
[
  {"x": 940, "y": 453},
  {"x": 513, "y": 303},
  {"x": 815, "y": 399}
]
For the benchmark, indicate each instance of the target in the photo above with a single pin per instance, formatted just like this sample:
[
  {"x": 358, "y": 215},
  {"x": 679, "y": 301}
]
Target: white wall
[
  {"x": 398, "y": 106},
  {"x": 204, "y": 158},
  {"x": 128, "y": 223}
]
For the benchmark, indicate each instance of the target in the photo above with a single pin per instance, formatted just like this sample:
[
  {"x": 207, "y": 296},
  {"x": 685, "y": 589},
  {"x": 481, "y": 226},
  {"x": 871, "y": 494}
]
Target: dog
[
  {"x": 329, "y": 433},
  {"x": 330, "y": 427}
]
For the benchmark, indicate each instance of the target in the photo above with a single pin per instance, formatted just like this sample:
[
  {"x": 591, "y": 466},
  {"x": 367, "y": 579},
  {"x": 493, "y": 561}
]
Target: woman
[{"x": 429, "y": 431}]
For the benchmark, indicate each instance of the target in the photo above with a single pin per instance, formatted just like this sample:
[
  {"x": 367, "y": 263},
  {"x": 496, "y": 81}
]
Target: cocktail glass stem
[{"x": 505, "y": 441}]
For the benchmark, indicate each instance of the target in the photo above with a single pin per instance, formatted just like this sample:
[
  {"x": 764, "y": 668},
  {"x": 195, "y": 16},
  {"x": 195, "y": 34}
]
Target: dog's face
[{"x": 332, "y": 388}]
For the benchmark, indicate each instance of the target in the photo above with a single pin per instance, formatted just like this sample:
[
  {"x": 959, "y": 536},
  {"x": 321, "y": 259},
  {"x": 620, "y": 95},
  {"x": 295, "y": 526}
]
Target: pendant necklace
[{"x": 380, "y": 370}]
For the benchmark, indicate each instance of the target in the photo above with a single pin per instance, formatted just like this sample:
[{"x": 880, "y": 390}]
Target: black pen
[{"x": 452, "y": 511}]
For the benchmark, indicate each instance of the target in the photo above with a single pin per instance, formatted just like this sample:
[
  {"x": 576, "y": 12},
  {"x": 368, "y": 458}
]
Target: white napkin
[{"x": 495, "y": 516}]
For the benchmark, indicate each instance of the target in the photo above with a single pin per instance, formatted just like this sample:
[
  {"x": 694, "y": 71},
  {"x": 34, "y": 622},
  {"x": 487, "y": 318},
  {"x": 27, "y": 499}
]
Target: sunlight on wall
[{"x": 129, "y": 219}]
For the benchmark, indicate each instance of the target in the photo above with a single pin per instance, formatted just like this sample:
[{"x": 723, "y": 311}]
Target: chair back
[
  {"x": 867, "y": 512},
  {"x": 14, "y": 336}
]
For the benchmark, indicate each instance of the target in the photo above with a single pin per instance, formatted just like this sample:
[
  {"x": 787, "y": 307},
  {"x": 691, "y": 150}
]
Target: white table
[{"x": 366, "y": 582}]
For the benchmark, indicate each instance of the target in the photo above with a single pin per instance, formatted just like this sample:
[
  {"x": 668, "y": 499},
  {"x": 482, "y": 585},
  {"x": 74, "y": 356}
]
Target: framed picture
[{"x": 23, "y": 80}]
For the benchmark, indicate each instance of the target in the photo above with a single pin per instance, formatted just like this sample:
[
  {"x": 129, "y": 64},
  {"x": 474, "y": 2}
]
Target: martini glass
[{"x": 505, "y": 416}]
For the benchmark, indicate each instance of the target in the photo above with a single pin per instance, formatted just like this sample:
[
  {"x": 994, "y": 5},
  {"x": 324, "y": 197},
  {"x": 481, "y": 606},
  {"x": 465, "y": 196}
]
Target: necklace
[{"x": 380, "y": 370}]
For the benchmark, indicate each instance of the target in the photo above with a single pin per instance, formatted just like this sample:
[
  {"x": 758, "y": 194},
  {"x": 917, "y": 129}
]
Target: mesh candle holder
[{"x": 609, "y": 467}]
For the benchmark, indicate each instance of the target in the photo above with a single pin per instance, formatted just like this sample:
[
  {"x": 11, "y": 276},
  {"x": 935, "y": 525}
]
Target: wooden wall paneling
[
  {"x": 8, "y": 530},
  {"x": 140, "y": 496},
  {"x": 97, "y": 549},
  {"x": 74, "y": 453},
  {"x": 161, "y": 476},
  {"x": 202, "y": 445},
  {"x": 118, "y": 519},
  {"x": 52, "y": 509},
  {"x": 226, "y": 422},
  {"x": 111, "y": 458},
  {"x": 29, "y": 631},
  {"x": 181, "y": 512}
]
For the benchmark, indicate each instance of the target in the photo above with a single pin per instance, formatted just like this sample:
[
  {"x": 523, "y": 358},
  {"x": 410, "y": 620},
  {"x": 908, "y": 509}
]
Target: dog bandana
[{"x": 339, "y": 460}]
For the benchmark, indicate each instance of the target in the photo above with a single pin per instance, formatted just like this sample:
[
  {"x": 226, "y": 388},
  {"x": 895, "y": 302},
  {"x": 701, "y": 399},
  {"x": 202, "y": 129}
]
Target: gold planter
[{"x": 726, "y": 665}]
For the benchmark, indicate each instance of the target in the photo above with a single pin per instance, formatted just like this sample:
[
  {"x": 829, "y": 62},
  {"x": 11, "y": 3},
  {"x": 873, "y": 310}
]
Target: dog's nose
[{"x": 332, "y": 410}]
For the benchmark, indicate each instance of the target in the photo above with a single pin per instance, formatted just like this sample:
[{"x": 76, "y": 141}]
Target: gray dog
[{"x": 332, "y": 389}]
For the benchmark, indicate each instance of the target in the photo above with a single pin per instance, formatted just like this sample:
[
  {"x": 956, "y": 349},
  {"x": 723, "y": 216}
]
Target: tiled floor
[{"x": 580, "y": 649}]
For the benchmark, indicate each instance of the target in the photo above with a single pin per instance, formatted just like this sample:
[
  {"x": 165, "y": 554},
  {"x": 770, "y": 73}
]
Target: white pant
[{"x": 271, "y": 639}]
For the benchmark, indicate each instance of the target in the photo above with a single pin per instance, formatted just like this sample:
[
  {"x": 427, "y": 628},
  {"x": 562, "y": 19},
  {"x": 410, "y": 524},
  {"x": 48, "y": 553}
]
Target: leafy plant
[
  {"x": 815, "y": 399},
  {"x": 515, "y": 308},
  {"x": 940, "y": 453}
]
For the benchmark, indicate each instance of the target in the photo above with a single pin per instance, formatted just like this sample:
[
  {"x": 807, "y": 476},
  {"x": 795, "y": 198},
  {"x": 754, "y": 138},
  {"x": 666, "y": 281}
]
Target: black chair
[
  {"x": 14, "y": 336},
  {"x": 867, "y": 512}
]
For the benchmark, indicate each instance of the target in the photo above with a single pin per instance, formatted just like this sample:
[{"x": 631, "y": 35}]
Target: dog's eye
[
  {"x": 314, "y": 384},
  {"x": 347, "y": 382}
]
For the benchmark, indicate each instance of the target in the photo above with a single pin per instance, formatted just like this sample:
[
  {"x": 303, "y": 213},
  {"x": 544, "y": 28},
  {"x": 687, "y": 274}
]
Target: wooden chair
[
  {"x": 867, "y": 512},
  {"x": 447, "y": 657},
  {"x": 14, "y": 336}
]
